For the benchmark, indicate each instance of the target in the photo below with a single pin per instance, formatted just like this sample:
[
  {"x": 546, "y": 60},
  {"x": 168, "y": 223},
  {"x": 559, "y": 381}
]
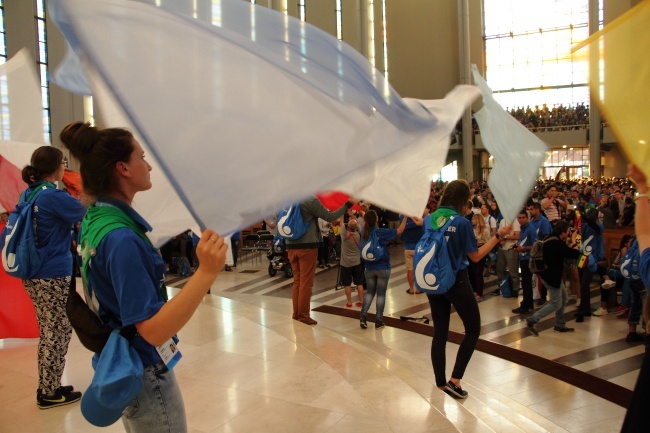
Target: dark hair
[
  {"x": 45, "y": 161},
  {"x": 370, "y": 219},
  {"x": 98, "y": 150},
  {"x": 456, "y": 195},
  {"x": 624, "y": 240},
  {"x": 536, "y": 205},
  {"x": 561, "y": 227},
  {"x": 523, "y": 212},
  {"x": 592, "y": 214}
]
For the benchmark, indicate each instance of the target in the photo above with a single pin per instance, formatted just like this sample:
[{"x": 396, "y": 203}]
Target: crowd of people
[{"x": 558, "y": 118}]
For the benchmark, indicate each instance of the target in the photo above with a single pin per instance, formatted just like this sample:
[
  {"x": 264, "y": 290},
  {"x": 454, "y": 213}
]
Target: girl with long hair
[
  {"x": 461, "y": 247},
  {"x": 483, "y": 235}
]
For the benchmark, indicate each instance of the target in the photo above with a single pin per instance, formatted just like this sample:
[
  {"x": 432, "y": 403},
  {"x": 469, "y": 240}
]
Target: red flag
[
  {"x": 333, "y": 200},
  {"x": 12, "y": 184},
  {"x": 17, "y": 315}
]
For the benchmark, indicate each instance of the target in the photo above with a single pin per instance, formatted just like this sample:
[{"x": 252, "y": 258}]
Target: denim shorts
[{"x": 159, "y": 406}]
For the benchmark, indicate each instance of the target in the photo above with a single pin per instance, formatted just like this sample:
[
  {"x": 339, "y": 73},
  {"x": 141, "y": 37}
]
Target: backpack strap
[
  {"x": 351, "y": 236},
  {"x": 37, "y": 190}
]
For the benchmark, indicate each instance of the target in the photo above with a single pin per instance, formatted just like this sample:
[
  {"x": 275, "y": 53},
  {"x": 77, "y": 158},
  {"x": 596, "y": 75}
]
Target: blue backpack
[
  {"x": 432, "y": 268},
  {"x": 505, "y": 287},
  {"x": 290, "y": 224},
  {"x": 372, "y": 250},
  {"x": 630, "y": 262},
  {"x": 20, "y": 255}
]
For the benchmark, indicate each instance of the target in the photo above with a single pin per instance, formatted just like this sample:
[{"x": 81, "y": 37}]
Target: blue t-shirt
[
  {"x": 384, "y": 236},
  {"x": 126, "y": 275},
  {"x": 644, "y": 267},
  {"x": 527, "y": 237},
  {"x": 411, "y": 234},
  {"x": 542, "y": 227},
  {"x": 592, "y": 241},
  {"x": 55, "y": 212},
  {"x": 460, "y": 242}
]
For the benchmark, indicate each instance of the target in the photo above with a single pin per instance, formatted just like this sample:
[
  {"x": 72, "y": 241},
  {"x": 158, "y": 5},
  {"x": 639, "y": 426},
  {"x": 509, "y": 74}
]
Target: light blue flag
[
  {"x": 518, "y": 153},
  {"x": 245, "y": 110}
]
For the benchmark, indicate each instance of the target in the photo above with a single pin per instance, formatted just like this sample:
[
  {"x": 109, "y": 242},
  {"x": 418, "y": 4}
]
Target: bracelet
[
  {"x": 498, "y": 236},
  {"x": 638, "y": 196}
]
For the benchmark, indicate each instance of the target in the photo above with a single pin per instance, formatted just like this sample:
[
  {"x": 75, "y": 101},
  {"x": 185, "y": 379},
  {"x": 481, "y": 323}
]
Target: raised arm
[
  {"x": 402, "y": 225},
  {"x": 173, "y": 315}
]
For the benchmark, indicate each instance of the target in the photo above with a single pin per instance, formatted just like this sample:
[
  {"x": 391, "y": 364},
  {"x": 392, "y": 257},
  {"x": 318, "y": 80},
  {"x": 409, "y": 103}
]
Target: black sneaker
[
  {"x": 363, "y": 323},
  {"x": 532, "y": 327},
  {"x": 521, "y": 310},
  {"x": 563, "y": 329},
  {"x": 62, "y": 389},
  {"x": 540, "y": 302},
  {"x": 379, "y": 324},
  {"x": 455, "y": 391},
  {"x": 634, "y": 337},
  {"x": 58, "y": 399}
]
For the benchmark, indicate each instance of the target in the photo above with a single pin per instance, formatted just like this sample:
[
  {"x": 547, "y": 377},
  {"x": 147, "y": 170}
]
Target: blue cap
[{"x": 117, "y": 381}]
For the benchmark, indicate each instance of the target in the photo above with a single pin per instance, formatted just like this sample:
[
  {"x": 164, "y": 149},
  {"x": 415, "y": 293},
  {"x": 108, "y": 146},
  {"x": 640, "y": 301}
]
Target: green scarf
[
  {"x": 98, "y": 222},
  {"x": 440, "y": 216}
]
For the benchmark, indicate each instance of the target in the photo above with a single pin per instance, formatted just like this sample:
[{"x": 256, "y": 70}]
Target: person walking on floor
[
  {"x": 558, "y": 246},
  {"x": 461, "y": 247}
]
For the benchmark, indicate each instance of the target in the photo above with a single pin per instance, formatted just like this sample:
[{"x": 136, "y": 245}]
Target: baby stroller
[{"x": 279, "y": 258}]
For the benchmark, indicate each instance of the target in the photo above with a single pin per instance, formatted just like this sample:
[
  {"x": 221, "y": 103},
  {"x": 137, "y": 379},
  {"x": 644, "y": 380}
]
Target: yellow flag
[{"x": 619, "y": 79}]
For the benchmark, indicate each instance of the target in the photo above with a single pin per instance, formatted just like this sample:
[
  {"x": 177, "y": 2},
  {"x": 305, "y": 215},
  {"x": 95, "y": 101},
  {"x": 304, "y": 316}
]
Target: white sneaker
[
  {"x": 608, "y": 284},
  {"x": 599, "y": 312}
]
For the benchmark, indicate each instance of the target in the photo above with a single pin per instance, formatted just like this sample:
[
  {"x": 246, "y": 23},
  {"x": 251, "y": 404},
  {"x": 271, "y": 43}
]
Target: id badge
[{"x": 169, "y": 353}]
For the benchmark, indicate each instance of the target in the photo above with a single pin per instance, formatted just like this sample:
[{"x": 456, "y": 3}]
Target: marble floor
[{"x": 248, "y": 367}]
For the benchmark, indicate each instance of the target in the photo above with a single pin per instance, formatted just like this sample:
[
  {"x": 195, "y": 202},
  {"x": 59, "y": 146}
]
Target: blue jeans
[
  {"x": 159, "y": 406},
  {"x": 376, "y": 283},
  {"x": 556, "y": 304}
]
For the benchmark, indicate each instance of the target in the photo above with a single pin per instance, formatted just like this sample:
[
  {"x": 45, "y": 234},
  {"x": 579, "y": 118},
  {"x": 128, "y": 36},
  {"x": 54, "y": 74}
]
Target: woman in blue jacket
[
  {"x": 127, "y": 273},
  {"x": 55, "y": 212},
  {"x": 377, "y": 272}
]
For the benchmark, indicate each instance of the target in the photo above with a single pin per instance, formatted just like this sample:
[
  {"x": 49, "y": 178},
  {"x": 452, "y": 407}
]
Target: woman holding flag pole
[{"x": 127, "y": 274}]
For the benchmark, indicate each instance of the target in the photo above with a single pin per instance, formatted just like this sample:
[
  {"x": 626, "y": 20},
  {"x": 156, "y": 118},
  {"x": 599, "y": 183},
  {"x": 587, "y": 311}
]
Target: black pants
[
  {"x": 637, "y": 417},
  {"x": 526, "y": 284},
  {"x": 585, "y": 292},
  {"x": 463, "y": 300},
  {"x": 476, "y": 279}
]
